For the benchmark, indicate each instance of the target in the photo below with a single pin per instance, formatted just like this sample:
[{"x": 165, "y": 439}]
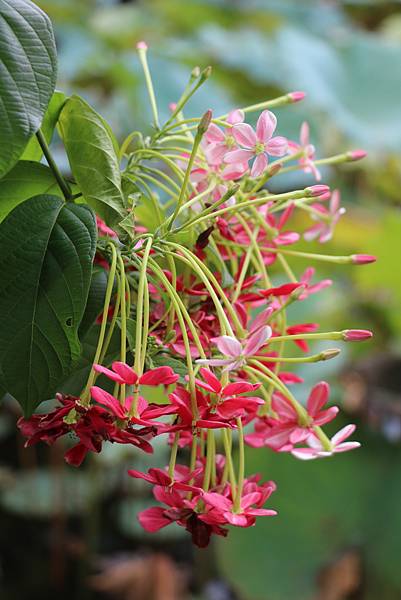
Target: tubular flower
[{"x": 197, "y": 344}]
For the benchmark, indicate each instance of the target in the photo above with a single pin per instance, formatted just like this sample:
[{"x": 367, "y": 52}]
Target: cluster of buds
[{"x": 203, "y": 296}]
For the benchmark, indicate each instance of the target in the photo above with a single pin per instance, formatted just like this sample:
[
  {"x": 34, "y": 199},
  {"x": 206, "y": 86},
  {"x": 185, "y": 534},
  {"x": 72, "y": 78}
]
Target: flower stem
[{"x": 85, "y": 397}]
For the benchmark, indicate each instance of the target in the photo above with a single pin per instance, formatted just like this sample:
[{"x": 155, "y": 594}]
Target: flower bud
[
  {"x": 205, "y": 122},
  {"x": 356, "y": 155},
  {"x": 274, "y": 169},
  {"x": 356, "y": 335},
  {"x": 325, "y": 196},
  {"x": 195, "y": 73},
  {"x": 330, "y": 353},
  {"x": 142, "y": 46},
  {"x": 316, "y": 190},
  {"x": 205, "y": 74},
  {"x": 296, "y": 96},
  {"x": 363, "y": 259}
]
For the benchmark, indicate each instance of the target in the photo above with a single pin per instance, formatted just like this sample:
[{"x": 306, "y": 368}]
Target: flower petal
[
  {"x": 265, "y": 126},
  {"x": 228, "y": 345},
  {"x": 238, "y": 156},
  {"x": 257, "y": 340},
  {"x": 259, "y": 165},
  {"x": 244, "y": 135},
  {"x": 318, "y": 398},
  {"x": 214, "y": 134},
  {"x": 235, "y": 116},
  {"x": 277, "y": 146},
  {"x": 152, "y": 519}
]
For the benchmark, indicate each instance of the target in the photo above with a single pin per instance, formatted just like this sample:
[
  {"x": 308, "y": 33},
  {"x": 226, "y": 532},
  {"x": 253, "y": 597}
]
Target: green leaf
[
  {"x": 25, "y": 180},
  {"x": 46, "y": 253},
  {"x": 76, "y": 381},
  {"x": 179, "y": 367},
  {"x": 93, "y": 159},
  {"x": 28, "y": 69},
  {"x": 33, "y": 151}
]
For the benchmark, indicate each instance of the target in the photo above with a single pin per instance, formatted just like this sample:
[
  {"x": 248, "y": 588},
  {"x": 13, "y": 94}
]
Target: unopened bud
[
  {"x": 363, "y": 259},
  {"x": 142, "y": 46},
  {"x": 329, "y": 354},
  {"x": 316, "y": 190},
  {"x": 356, "y": 155},
  {"x": 205, "y": 122},
  {"x": 205, "y": 74},
  {"x": 356, "y": 335},
  {"x": 172, "y": 106},
  {"x": 296, "y": 96},
  {"x": 195, "y": 73},
  {"x": 274, "y": 169},
  {"x": 325, "y": 196}
]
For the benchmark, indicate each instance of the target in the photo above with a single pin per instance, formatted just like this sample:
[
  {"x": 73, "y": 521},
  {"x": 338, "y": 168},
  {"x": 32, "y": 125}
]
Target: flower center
[
  {"x": 259, "y": 148},
  {"x": 230, "y": 141}
]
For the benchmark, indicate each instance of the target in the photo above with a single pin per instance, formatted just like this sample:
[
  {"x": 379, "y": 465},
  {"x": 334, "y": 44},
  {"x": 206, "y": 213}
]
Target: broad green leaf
[
  {"x": 33, "y": 151},
  {"x": 46, "y": 253},
  {"x": 28, "y": 69},
  {"x": 25, "y": 180},
  {"x": 93, "y": 159},
  {"x": 76, "y": 381}
]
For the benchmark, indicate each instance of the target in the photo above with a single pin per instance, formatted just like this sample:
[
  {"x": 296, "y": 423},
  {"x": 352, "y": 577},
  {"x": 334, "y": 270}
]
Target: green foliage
[
  {"x": 92, "y": 154},
  {"x": 33, "y": 151},
  {"x": 25, "y": 180},
  {"x": 28, "y": 75},
  {"x": 46, "y": 254}
]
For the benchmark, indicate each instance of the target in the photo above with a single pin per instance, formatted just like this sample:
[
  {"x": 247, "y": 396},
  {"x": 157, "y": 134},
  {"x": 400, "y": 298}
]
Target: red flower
[{"x": 124, "y": 374}]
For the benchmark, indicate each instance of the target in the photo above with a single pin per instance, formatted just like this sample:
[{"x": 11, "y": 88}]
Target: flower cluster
[{"x": 202, "y": 293}]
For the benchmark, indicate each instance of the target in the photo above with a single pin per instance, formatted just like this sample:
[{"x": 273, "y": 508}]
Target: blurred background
[{"x": 338, "y": 534}]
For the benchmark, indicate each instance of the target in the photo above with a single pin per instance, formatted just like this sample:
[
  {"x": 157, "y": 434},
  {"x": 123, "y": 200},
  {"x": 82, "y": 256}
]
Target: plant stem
[{"x": 62, "y": 183}]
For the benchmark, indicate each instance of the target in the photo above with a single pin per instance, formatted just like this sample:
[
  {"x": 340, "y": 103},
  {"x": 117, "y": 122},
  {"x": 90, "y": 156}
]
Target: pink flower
[
  {"x": 323, "y": 230},
  {"x": 337, "y": 443},
  {"x": 221, "y": 142},
  {"x": 178, "y": 509},
  {"x": 222, "y": 505},
  {"x": 103, "y": 229},
  {"x": 284, "y": 430},
  {"x": 257, "y": 144},
  {"x": 146, "y": 412},
  {"x": 162, "y": 478},
  {"x": 124, "y": 374},
  {"x": 228, "y": 404},
  {"x": 306, "y": 160},
  {"x": 236, "y": 351},
  {"x": 312, "y": 288}
]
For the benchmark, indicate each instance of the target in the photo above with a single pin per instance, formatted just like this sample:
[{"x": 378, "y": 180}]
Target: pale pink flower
[
  {"x": 315, "y": 448},
  {"x": 323, "y": 230},
  {"x": 220, "y": 142},
  {"x": 237, "y": 352},
  {"x": 306, "y": 160},
  {"x": 257, "y": 145},
  {"x": 312, "y": 288}
]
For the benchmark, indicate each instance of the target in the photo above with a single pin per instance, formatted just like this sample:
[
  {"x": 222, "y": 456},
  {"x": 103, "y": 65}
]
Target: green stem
[
  {"x": 63, "y": 184},
  {"x": 241, "y": 466},
  {"x": 149, "y": 85},
  {"x": 85, "y": 397}
]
